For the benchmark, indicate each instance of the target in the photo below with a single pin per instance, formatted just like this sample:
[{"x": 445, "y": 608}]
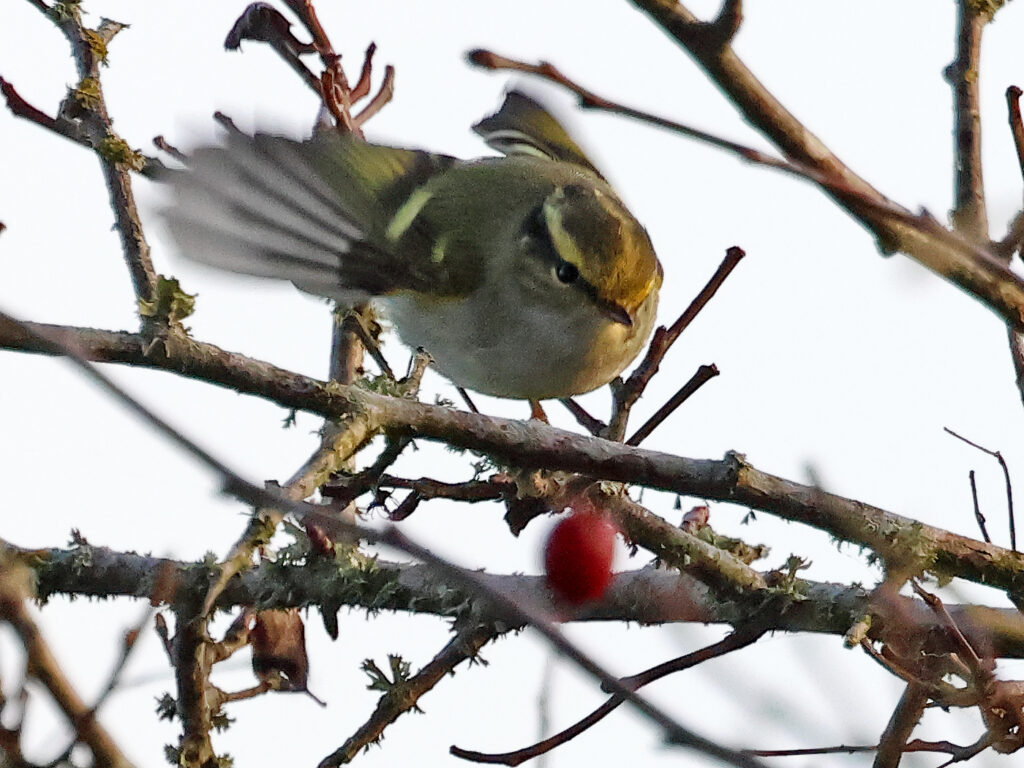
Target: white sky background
[{"x": 830, "y": 355}]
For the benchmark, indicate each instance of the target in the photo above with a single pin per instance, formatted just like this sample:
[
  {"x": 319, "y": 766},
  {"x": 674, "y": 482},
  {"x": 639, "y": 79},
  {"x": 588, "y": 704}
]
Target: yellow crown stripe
[{"x": 565, "y": 244}]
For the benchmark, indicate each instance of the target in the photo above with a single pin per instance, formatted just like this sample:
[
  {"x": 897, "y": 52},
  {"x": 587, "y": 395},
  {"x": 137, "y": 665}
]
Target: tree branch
[
  {"x": 975, "y": 271},
  {"x": 969, "y": 210},
  {"x": 86, "y": 105},
  {"x": 531, "y": 444},
  {"x": 646, "y": 596},
  {"x": 43, "y": 666},
  {"x": 404, "y": 695}
]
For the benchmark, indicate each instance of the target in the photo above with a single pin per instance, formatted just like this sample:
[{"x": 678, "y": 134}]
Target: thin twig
[
  {"x": 21, "y": 108},
  {"x": 838, "y": 180},
  {"x": 380, "y": 100},
  {"x": 44, "y": 667},
  {"x": 915, "y": 745},
  {"x": 1013, "y": 94},
  {"x": 473, "y": 491},
  {"x": 740, "y": 638},
  {"x": 467, "y": 399},
  {"x": 362, "y": 87},
  {"x": 977, "y": 509},
  {"x": 68, "y": 129},
  {"x": 630, "y": 391},
  {"x": 592, "y": 424},
  {"x": 404, "y": 696},
  {"x": 840, "y": 749},
  {"x": 702, "y": 376},
  {"x": 344, "y": 488},
  {"x": 354, "y": 323},
  {"x": 116, "y": 157},
  {"x": 1006, "y": 476}
]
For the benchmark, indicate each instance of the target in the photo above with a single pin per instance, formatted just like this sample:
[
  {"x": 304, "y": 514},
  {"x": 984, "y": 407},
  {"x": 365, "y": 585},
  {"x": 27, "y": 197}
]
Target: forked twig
[
  {"x": 630, "y": 391},
  {"x": 1006, "y": 475},
  {"x": 740, "y": 638}
]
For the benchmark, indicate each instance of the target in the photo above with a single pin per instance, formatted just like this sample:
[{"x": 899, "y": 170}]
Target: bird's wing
[{"x": 317, "y": 213}]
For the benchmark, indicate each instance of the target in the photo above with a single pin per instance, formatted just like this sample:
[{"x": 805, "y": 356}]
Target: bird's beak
[{"x": 616, "y": 313}]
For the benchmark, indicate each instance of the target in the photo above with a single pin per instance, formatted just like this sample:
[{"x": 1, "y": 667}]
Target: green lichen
[
  {"x": 986, "y": 8},
  {"x": 172, "y": 754},
  {"x": 114, "y": 149},
  {"x": 381, "y": 385},
  {"x": 87, "y": 93},
  {"x": 741, "y": 550},
  {"x": 97, "y": 44},
  {"x": 400, "y": 674},
  {"x": 169, "y": 303},
  {"x": 785, "y": 581},
  {"x": 65, "y": 10},
  {"x": 221, "y": 721}
]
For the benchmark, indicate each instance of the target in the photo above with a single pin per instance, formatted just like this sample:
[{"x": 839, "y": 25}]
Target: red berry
[{"x": 578, "y": 557}]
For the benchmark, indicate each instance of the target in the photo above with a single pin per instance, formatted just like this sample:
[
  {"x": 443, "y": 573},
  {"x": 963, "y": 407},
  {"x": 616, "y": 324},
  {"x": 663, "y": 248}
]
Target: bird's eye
[{"x": 566, "y": 272}]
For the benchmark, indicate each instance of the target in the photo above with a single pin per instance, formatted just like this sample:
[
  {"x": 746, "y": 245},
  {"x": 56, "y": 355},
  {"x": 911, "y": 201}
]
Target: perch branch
[
  {"x": 531, "y": 444},
  {"x": 196, "y": 750}
]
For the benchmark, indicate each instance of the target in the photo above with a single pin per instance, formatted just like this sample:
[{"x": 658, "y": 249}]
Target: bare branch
[
  {"x": 703, "y": 375},
  {"x": 901, "y": 725},
  {"x": 630, "y": 391},
  {"x": 741, "y": 638},
  {"x": 404, "y": 695},
  {"x": 86, "y": 105},
  {"x": 380, "y": 100},
  {"x": 1006, "y": 477},
  {"x": 43, "y": 666},
  {"x": 977, "y": 509},
  {"x": 969, "y": 210},
  {"x": 974, "y": 269}
]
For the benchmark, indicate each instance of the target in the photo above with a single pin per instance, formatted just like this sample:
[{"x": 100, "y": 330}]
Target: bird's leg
[{"x": 537, "y": 412}]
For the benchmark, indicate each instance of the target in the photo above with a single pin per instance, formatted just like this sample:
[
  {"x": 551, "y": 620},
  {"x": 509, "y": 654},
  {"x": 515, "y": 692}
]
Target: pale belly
[{"x": 508, "y": 353}]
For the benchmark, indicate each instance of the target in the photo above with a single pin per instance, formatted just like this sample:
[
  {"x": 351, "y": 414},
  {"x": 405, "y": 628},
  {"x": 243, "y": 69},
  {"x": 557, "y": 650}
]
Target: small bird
[{"x": 523, "y": 276}]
